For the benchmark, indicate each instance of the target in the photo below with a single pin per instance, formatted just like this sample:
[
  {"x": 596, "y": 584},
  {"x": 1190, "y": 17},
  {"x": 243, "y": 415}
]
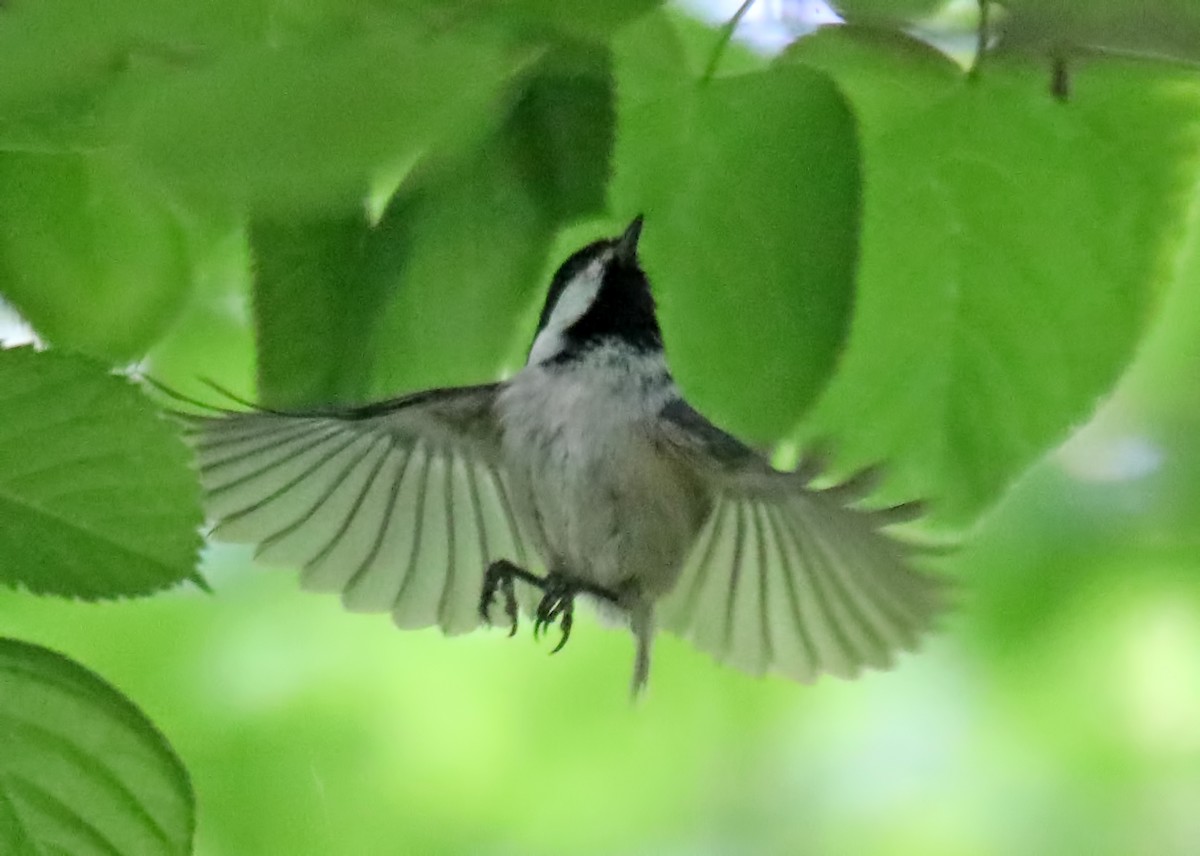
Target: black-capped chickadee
[{"x": 588, "y": 462}]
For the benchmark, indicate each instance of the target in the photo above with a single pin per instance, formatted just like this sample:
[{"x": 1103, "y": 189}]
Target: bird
[{"x": 585, "y": 475}]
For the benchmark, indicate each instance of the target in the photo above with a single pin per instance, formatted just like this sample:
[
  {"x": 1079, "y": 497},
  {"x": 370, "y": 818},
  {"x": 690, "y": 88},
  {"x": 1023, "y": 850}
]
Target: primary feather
[{"x": 398, "y": 505}]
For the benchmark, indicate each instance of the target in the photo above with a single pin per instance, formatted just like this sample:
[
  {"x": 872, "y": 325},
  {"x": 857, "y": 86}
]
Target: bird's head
[{"x": 599, "y": 295}]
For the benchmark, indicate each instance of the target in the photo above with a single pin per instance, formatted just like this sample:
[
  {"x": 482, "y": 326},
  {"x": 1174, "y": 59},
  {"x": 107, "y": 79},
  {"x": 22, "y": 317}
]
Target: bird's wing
[
  {"x": 398, "y": 505},
  {"x": 786, "y": 577}
]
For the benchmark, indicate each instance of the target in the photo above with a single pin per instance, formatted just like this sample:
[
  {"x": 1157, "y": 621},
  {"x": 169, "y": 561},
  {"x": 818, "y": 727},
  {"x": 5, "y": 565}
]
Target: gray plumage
[{"x": 587, "y": 464}]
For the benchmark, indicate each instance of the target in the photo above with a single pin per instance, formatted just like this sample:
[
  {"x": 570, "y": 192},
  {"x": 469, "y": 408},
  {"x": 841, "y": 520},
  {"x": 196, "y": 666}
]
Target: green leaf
[
  {"x": 896, "y": 11},
  {"x": 464, "y": 249},
  {"x": 1154, "y": 27},
  {"x": 750, "y": 189},
  {"x": 83, "y": 771},
  {"x": 561, "y": 135},
  {"x": 460, "y": 259},
  {"x": 313, "y": 308},
  {"x": 306, "y": 126},
  {"x": 589, "y": 19},
  {"x": 430, "y": 295},
  {"x": 1013, "y": 250},
  {"x": 213, "y": 337},
  {"x": 74, "y": 226},
  {"x": 97, "y": 496},
  {"x": 74, "y": 44},
  {"x": 700, "y": 42},
  {"x": 885, "y": 74}
]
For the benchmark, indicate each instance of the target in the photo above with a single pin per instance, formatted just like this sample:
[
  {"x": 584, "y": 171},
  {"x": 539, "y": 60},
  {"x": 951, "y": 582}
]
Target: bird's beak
[{"x": 627, "y": 244}]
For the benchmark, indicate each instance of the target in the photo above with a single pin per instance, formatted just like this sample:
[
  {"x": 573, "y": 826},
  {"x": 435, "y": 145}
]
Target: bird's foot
[
  {"x": 499, "y": 577},
  {"x": 557, "y": 603}
]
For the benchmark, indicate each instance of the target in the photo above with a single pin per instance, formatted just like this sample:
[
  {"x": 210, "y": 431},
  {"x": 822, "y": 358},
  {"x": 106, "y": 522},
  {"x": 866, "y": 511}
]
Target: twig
[
  {"x": 982, "y": 37},
  {"x": 723, "y": 41}
]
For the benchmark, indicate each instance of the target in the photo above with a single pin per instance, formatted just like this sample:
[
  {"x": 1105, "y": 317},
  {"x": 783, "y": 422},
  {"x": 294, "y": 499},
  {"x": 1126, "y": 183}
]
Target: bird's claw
[
  {"x": 557, "y": 604},
  {"x": 499, "y": 577}
]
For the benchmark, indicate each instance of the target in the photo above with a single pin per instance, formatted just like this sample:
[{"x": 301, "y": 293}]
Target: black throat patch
[{"x": 623, "y": 310}]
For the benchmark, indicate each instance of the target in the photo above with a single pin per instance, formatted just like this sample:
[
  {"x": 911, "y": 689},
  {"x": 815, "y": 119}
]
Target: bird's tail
[{"x": 641, "y": 621}]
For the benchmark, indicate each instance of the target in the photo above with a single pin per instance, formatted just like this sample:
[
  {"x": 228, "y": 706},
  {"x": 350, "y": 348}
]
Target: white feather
[{"x": 577, "y": 297}]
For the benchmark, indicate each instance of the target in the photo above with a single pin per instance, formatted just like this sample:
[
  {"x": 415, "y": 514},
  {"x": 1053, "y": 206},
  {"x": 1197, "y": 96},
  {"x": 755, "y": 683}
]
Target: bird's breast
[{"x": 591, "y": 488}]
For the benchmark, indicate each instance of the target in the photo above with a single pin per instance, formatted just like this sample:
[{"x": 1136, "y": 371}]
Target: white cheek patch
[{"x": 572, "y": 304}]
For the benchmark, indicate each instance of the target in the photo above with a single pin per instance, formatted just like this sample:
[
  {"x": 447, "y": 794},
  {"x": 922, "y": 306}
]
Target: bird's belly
[{"x": 611, "y": 513}]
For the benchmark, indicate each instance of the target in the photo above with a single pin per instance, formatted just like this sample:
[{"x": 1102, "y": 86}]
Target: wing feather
[
  {"x": 341, "y": 548},
  {"x": 867, "y": 646},
  {"x": 712, "y": 594},
  {"x": 317, "y": 505},
  {"x": 795, "y": 654},
  {"x": 399, "y": 506},
  {"x": 743, "y": 619},
  {"x": 787, "y": 577},
  {"x": 680, "y": 610},
  {"x": 357, "y": 542},
  {"x": 459, "y": 606},
  {"x": 835, "y": 652},
  {"x": 762, "y": 562},
  {"x": 377, "y": 581},
  {"x": 416, "y": 597}
]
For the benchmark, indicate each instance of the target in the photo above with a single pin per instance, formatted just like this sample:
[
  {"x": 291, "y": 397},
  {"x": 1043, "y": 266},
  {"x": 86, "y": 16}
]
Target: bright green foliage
[
  {"x": 243, "y": 128},
  {"x": 96, "y": 261},
  {"x": 891, "y": 11},
  {"x": 312, "y": 310},
  {"x": 53, "y": 48},
  {"x": 1152, "y": 27},
  {"x": 560, "y": 135},
  {"x": 1013, "y": 250},
  {"x": 765, "y": 165},
  {"x": 596, "y": 19},
  {"x": 96, "y": 496},
  {"x": 211, "y": 337},
  {"x": 467, "y": 245},
  {"x": 887, "y": 75},
  {"x": 456, "y": 258},
  {"x": 83, "y": 771}
]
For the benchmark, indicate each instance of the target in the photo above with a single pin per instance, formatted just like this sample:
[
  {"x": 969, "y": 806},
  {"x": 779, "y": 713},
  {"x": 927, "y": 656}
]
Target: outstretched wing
[
  {"x": 788, "y": 578},
  {"x": 399, "y": 505}
]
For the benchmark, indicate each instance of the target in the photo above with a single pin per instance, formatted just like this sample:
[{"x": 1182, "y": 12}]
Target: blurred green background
[{"x": 1056, "y": 712}]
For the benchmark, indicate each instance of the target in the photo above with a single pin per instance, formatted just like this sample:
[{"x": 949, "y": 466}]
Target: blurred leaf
[
  {"x": 212, "y": 339},
  {"x": 590, "y": 19},
  {"x": 750, "y": 189},
  {"x": 63, "y": 124},
  {"x": 430, "y": 295},
  {"x": 476, "y": 233},
  {"x": 1156, "y": 27},
  {"x": 885, "y": 74},
  {"x": 973, "y": 349},
  {"x": 304, "y": 127},
  {"x": 65, "y": 45},
  {"x": 699, "y": 42},
  {"x": 92, "y": 258},
  {"x": 83, "y": 771},
  {"x": 312, "y": 309},
  {"x": 561, "y": 132},
  {"x": 459, "y": 258},
  {"x": 897, "y": 11},
  {"x": 97, "y": 498}
]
